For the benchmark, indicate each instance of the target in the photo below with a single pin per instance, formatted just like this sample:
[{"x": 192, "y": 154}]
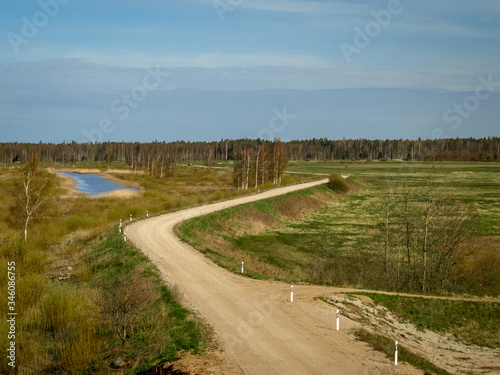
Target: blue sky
[{"x": 82, "y": 70}]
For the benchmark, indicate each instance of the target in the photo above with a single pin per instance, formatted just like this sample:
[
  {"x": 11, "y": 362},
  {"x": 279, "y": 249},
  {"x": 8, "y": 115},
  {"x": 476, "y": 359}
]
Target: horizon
[{"x": 156, "y": 141}]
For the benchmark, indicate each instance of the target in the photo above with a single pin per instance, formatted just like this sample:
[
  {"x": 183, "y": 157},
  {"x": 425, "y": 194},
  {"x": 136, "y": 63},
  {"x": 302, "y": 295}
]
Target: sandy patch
[
  {"x": 119, "y": 193},
  {"x": 441, "y": 349}
]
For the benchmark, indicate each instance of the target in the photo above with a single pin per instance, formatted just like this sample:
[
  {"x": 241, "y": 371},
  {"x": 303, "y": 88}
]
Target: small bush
[
  {"x": 123, "y": 299},
  {"x": 338, "y": 184}
]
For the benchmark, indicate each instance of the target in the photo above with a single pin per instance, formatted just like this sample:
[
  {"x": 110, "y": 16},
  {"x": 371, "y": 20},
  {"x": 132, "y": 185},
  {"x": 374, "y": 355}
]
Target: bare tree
[
  {"x": 431, "y": 206},
  {"x": 435, "y": 229},
  {"x": 279, "y": 160},
  {"x": 264, "y": 163},
  {"x": 32, "y": 192},
  {"x": 389, "y": 203},
  {"x": 123, "y": 299},
  {"x": 209, "y": 155},
  {"x": 452, "y": 241},
  {"x": 242, "y": 166},
  {"x": 253, "y": 165},
  {"x": 257, "y": 159}
]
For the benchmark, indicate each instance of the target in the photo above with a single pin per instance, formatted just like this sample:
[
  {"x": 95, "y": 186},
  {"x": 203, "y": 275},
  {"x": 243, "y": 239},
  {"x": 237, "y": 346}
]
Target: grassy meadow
[
  {"x": 74, "y": 259},
  {"x": 327, "y": 238},
  {"x": 319, "y": 236},
  {"x": 476, "y": 182}
]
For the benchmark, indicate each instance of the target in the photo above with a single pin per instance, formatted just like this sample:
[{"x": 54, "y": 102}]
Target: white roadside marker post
[
  {"x": 124, "y": 237},
  {"x": 120, "y": 229},
  {"x": 337, "y": 320},
  {"x": 242, "y": 263},
  {"x": 396, "y": 355},
  {"x": 130, "y": 217},
  {"x": 291, "y": 294},
  {"x": 147, "y": 213},
  {"x": 120, "y": 223}
]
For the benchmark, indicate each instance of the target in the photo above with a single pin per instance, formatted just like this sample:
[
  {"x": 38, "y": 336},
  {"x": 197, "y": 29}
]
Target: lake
[{"x": 94, "y": 184}]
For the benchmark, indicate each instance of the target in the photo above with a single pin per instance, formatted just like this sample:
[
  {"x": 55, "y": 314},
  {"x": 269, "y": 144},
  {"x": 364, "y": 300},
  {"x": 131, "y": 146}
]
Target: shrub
[
  {"x": 122, "y": 299},
  {"x": 338, "y": 184}
]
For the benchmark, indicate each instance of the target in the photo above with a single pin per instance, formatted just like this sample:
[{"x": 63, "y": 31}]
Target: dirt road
[{"x": 260, "y": 330}]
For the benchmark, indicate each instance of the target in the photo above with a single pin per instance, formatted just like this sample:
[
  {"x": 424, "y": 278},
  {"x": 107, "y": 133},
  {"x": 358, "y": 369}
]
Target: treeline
[
  {"x": 151, "y": 155},
  {"x": 452, "y": 149}
]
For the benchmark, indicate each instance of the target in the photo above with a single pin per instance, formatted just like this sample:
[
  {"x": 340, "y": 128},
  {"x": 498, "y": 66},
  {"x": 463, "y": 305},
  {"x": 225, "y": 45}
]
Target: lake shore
[{"x": 70, "y": 185}]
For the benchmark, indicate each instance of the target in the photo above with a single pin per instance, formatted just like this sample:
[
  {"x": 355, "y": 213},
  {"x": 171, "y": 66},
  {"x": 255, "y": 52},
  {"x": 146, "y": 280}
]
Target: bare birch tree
[
  {"x": 32, "y": 191},
  {"x": 209, "y": 156},
  {"x": 254, "y": 165}
]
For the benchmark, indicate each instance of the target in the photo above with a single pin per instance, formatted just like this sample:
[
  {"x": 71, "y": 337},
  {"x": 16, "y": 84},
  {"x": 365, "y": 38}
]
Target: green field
[
  {"x": 318, "y": 236},
  {"x": 308, "y": 236},
  {"x": 477, "y": 182},
  {"x": 331, "y": 237}
]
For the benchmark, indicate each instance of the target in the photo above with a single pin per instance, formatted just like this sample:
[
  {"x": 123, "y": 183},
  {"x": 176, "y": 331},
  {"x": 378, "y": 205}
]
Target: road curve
[{"x": 260, "y": 330}]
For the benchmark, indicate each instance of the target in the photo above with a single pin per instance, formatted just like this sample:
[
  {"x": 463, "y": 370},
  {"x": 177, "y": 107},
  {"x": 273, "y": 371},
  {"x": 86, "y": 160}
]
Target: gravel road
[{"x": 260, "y": 330}]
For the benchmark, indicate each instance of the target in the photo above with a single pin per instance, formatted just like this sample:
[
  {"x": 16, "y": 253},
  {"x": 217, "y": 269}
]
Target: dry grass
[
  {"x": 249, "y": 221},
  {"x": 176, "y": 292},
  {"x": 353, "y": 187},
  {"x": 76, "y": 352},
  {"x": 324, "y": 197},
  {"x": 296, "y": 206},
  {"x": 215, "y": 242},
  {"x": 223, "y": 235},
  {"x": 120, "y": 193},
  {"x": 482, "y": 268},
  {"x": 264, "y": 268},
  {"x": 228, "y": 252}
]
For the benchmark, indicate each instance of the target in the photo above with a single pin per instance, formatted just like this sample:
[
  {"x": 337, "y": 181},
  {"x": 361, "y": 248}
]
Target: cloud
[
  {"x": 204, "y": 60},
  {"x": 297, "y": 6},
  {"x": 74, "y": 82}
]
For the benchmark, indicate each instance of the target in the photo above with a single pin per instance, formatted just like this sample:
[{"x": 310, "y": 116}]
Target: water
[{"x": 94, "y": 184}]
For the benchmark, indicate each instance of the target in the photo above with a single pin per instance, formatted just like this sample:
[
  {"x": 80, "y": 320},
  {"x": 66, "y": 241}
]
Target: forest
[{"x": 163, "y": 154}]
